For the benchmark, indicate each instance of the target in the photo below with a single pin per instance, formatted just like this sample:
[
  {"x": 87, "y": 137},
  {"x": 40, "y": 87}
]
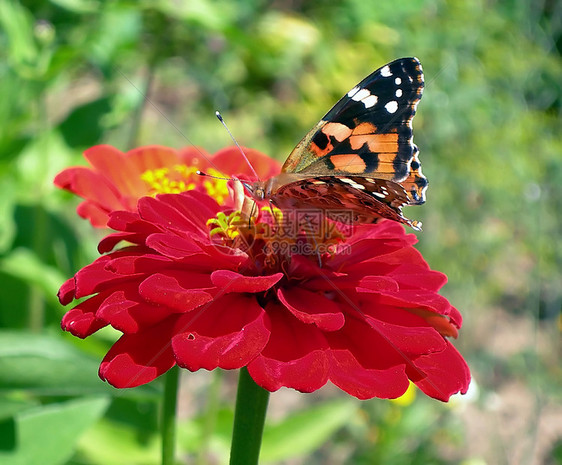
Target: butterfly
[{"x": 360, "y": 157}]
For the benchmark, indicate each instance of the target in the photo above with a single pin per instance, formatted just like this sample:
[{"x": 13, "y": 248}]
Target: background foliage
[{"x": 74, "y": 73}]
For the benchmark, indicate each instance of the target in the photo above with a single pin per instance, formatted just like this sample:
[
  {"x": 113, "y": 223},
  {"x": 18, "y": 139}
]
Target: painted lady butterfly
[{"x": 360, "y": 157}]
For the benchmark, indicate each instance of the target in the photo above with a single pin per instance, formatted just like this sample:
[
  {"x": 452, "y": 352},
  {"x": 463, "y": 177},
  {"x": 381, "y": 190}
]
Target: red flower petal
[
  {"x": 163, "y": 214},
  {"x": 417, "y": 299},
  {"x": 67, "y": 292},
  {"x": 195, "y": 156},
  {"x": 377, "y": 284},
  {"x": 131, "y": 221},
  {"x": 312, "y": 308},
  {"x": 172, "y": 246},
  {"x": 96, "y": 277},
  {"x": 97, "y": 214},
  {"x": 81, "y": 321},
  {"x": 126, "y": 312},
  {"x": 90, "y": 185},
  {"x": 137, "y": 359},
  {"x": 419, "y": 277},
  {"x": 409, "y": 341},
  {"x": 137, "y": 262},
  {"x": 195, "y": 208},
  {"x": 442, "y": 374},
  {"x": 180, "y": 291},
  {"x": 294, "y": 357},
  {"x": 364, "y": 383},
  {"x": 124, "y": 170},
  {"x": 228, "y": 333},
  {"x": 229, "y": 281}
]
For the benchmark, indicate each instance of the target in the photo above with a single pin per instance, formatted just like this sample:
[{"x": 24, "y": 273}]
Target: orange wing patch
[
  {"x": 366, "y": 133},
  {"x": 349, "y": 163},
  {"x": 364, "y": 128},
  {"x": 377, "y": 143}
]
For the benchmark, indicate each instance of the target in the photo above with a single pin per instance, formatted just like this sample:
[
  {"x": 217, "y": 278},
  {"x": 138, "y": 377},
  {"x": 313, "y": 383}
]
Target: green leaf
[
  {"x": 7, "y": 202},
  {"x": 211, "y": 15},
  {"x": 17, "y": 24},
  {"x": 78, "y": 6},
  {"x": 26, "y": 266},
  {"x": 46, "y": 365},
  {"x": 38, "y": 163},
  {"x": 47, "y": 434},
  {"x": 305, "y": 431},
  {"x": 10, "y": 407},
  {"x": 83, "y": 127},
  {"x": 116, "y": 444}
]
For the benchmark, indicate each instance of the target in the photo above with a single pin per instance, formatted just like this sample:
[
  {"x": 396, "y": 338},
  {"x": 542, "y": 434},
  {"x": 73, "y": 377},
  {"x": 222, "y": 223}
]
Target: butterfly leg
[
  {"x": 254, "y": 206},
  {"x": 273, "y": 213}
]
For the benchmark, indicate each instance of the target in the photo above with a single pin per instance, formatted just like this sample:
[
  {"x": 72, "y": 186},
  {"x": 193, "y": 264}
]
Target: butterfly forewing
[{"x": 369, "y": 131}]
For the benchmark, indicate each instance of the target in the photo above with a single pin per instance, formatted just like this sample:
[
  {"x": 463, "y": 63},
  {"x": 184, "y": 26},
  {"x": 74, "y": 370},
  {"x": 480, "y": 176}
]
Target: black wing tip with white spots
[{"x": 392, "y": 91}]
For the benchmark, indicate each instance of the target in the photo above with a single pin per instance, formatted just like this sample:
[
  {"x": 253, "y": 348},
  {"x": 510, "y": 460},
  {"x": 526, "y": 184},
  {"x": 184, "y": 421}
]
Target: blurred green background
[{"x": 74, "y": 73}]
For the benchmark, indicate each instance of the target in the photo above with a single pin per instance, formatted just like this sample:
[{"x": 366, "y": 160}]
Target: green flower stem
[
  {"x": 169, "y": 416},
  {"x": 249, "y": 419}
]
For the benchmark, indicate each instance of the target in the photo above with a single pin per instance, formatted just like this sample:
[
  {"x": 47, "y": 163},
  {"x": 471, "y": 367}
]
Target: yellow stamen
[
  {"x": 226, "y": 226},
  {"x": 181, "y": 178}
]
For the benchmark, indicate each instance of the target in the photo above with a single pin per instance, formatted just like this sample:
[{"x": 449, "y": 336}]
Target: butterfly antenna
[
  {"x": 202, "y": 173},
  {"x": 219, "y": 116}
]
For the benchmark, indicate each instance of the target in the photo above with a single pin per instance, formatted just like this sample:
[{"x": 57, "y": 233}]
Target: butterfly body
[{"x": 360, "y": 157}]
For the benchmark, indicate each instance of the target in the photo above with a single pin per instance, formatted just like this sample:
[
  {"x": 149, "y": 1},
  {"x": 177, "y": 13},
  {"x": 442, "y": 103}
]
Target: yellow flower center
[{"x": 180, "y": 178}]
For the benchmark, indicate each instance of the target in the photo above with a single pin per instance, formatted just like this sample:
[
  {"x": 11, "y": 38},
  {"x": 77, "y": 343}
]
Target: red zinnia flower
[
  {"x": 116, "y": 180},
  {"x": 367, "y": 318}
]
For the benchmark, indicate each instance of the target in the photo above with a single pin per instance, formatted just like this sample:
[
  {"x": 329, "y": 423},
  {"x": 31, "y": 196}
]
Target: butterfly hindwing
[
  {"x": 368, "y": 199},
  {"x": 369, "y": 132}
]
